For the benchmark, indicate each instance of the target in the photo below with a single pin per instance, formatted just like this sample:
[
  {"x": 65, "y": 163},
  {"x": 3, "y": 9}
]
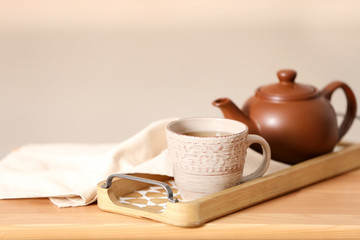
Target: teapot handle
[{"x": 351, "y": 104}]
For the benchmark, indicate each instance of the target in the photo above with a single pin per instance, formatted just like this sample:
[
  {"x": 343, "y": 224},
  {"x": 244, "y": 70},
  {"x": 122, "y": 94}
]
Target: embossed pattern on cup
[{"x": 206, "y": 156}]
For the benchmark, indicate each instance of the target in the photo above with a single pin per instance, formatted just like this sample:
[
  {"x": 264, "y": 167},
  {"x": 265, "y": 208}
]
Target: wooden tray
[{"x": 145, "y": 200}]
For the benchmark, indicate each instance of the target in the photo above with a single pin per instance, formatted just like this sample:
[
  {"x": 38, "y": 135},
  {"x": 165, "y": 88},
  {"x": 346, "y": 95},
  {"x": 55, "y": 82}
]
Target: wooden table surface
[{"x": 326, "y": 210}]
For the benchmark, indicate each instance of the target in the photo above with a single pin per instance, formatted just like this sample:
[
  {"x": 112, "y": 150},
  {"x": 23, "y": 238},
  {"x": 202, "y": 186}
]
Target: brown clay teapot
[{"x": 297, "y": 120}]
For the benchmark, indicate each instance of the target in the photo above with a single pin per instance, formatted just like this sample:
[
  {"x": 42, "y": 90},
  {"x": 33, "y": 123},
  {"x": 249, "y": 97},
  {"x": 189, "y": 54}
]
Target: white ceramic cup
[{"x": 204, "y": 165}]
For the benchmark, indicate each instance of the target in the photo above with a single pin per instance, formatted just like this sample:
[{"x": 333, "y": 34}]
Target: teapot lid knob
[{"x": 286, "y": 76}]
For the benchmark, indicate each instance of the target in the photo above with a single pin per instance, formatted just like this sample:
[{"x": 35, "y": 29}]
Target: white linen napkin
[{"x": 68, "y": 173}]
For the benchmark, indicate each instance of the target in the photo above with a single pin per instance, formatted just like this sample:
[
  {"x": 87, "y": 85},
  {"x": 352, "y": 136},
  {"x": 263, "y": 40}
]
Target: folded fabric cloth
[{"x": 68, "y": 173}]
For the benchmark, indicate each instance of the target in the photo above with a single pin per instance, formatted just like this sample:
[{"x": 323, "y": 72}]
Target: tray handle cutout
[{"x": 170, "y": 194}]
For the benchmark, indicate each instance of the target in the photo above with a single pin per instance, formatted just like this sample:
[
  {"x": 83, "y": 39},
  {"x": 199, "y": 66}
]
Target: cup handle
[{"x": 266, "y": 157}]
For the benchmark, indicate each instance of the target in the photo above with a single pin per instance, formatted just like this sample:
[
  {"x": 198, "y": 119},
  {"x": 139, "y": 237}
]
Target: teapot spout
[{"x": 231, "y": 111}]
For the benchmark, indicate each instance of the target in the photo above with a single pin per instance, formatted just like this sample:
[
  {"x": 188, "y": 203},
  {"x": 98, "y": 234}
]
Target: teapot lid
[{"x": 287, "y": 89}]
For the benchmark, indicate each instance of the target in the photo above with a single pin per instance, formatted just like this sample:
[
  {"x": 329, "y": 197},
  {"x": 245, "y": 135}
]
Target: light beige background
[{"x": 99, "y": 71}]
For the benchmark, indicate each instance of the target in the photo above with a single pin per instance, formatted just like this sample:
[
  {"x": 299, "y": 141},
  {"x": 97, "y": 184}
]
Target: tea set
[{"x": 286, "y": 121}]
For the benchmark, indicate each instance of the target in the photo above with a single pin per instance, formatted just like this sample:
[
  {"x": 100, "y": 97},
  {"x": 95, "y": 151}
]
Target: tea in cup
[{"x": 208, "y": 155}]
